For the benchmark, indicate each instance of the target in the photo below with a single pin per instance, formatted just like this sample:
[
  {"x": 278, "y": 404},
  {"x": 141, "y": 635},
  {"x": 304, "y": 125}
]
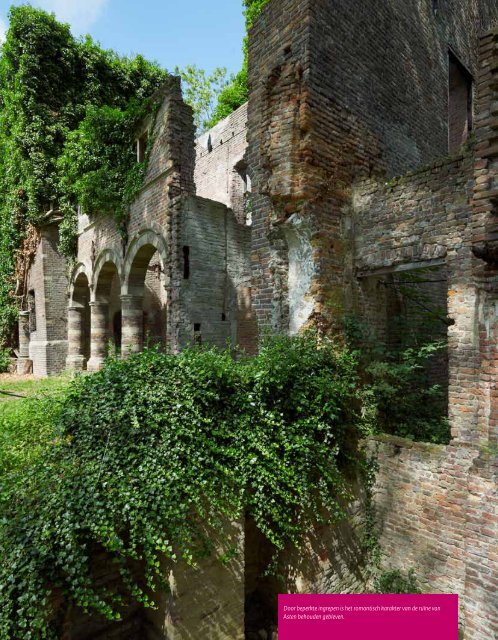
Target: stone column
[
  {"x": 132, "y": 329},
  {"x": 24, "y": 364},
  {"x": 75, "y": 356},
  {"x": 98, "y": 335}
]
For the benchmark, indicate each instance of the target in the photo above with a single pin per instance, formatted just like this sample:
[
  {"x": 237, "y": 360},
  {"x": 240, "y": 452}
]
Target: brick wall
[
  {"x": 437, "y": 511},
  {"x": 48, "y": 280},
  {"x": 333, "y": 98},
  {"x": 168, "y": 214},
  {"x": 219, "y": 273},
  {"x": 220, "y": 162}
]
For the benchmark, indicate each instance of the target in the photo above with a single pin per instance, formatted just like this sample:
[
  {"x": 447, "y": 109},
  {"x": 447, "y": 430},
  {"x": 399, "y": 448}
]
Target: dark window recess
[
  {"x": 435, "y": 7},
  {"x": 197, "y": 333},
  {"x": 117, "y": 322},
  {"x": 186, "y": 263},
  {"x": 223, "y": 317},
  {"x": 459, "y": 104},
  {"x": 32, "y": 311},
  {"x": 209, "y": 144},
  {"x": 142, "y": 147}
]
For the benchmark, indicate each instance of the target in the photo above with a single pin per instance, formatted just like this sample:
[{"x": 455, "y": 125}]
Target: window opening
[
  {"x": 186, "y": 263},
  {"x": 32, "y": 311},
  {"x": 142, "y": 146},
  {"x": 459, "y": 104}
]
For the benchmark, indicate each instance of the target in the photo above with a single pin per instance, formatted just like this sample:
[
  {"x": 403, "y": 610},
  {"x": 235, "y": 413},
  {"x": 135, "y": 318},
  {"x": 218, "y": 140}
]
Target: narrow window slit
[{"x": 186, "y": 263}]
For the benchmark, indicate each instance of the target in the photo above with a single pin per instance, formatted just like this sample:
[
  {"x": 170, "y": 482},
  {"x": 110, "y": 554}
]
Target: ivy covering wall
[
  {"x": 68, "y": 109},
  {"x": 145, "y": 456}
]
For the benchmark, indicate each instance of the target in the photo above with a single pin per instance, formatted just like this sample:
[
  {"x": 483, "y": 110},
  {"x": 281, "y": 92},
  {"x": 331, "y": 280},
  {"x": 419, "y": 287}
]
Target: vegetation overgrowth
[
  {"x": 235, "y": 93},
  {"x": 146, "y": 454},
  {"x": 68, "y": 109},
  {"x": 68, "y": 116},
  {"x": 142, "y": 458}
]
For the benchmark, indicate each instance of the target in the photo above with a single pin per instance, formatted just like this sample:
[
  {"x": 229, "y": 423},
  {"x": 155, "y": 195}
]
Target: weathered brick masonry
[
  {"x": 345, "y": 95},
  {"x": 180, "y": 272},
  {"x": 438, "y": 506},
  {"x": 340, "y": 90}
]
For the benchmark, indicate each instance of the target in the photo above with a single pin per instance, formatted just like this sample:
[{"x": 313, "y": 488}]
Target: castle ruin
[{"x": 367, "y": 153}]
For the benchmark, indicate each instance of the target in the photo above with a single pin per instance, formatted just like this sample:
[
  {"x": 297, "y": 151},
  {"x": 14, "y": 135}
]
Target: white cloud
[
  {"x": 80, "y": 14},
  {"x": 3, "y": 29}
]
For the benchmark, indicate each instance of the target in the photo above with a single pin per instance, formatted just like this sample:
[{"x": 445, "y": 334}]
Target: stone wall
[
  {"x": 218, "y": 249},
  {"x": 203, "y": 601},
  {"x": 137, "y": 275},
  {"x": 206, "y": 601},
  {"x": 437, "y": 506},
  {"x": 47, "y": 296},
  {"x": 422, "y": 220}
]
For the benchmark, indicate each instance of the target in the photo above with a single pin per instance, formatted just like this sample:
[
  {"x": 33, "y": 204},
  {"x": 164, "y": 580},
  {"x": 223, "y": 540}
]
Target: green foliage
[
  {"x": 235, "y": 94},
  {"x": 98, "y": 166},
  {"x": 200, "y": 91},
  {"x": 153, "y": 452},
  {"x": 50, "y": 83},
  {"x": 230, "y": 98},
  {"x": 4, "y": 360},
  {"x": 26, "y": 425},
  {"x": 406, "y": 402},
  {"x": 403, "y": 385},
  {"x": 396, "y": 582}
]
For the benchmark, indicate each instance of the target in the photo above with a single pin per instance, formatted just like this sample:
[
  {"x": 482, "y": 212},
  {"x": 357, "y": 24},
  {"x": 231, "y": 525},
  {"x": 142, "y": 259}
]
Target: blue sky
[{"x": 204, "y": 32}]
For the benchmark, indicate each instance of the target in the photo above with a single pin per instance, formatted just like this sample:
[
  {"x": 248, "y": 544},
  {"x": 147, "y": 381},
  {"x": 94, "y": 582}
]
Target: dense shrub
[
  {"x": 399, "y": 393},
  {"x": 151, "y": 451},
  {"x": 406, "y": 402},
  {"x": 5, "y": 360},
  {"x": 26, "y": 427}
]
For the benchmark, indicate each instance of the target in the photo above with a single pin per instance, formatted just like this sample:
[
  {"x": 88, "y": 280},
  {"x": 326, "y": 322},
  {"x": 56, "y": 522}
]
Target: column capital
[{"x": 129, "y": 297}]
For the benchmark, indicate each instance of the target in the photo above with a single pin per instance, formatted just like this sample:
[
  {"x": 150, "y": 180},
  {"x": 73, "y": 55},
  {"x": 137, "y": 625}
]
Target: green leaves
[
  {"x": 67, "y": 113},
  {"x": 155, "y": 453},
  {"x": 200, "y": 91}
]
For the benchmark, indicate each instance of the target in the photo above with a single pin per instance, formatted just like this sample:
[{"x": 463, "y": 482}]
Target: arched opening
[
  {"x": 105, "y": 315},
  {"x": 145, "y": 306},
  {"x": 79, "y": 324}
]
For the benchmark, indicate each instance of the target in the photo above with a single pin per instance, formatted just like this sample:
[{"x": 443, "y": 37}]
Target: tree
[{"x": 201, "y": 91}]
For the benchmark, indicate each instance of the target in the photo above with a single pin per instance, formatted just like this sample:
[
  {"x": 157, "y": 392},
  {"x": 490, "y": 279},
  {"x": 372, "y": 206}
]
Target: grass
[
  {"x": 28, "y": 407},
  {"x": 17, "y": 387}
]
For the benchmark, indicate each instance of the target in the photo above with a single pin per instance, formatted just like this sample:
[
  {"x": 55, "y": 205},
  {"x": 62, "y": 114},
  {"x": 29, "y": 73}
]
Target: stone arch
[
  {"x": 79, "y": 320},
  {"x": 140, "y": 251},
  {"x": 144, "y": 297},
  {"x": 109, "y": 262},
  {"x": 105, "y": 307},
  {"x": 77, "y": 284}
]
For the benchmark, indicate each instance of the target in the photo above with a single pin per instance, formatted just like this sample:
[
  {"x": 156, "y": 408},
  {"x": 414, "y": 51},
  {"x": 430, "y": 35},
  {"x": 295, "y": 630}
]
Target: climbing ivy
[
  {"x": 151, "y": 453},
  {"x": 67, "y": 107},
  {"x": 98, "y": 167}
]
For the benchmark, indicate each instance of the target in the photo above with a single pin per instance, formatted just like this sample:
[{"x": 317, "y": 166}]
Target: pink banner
[{"x": 368, "y": 617}]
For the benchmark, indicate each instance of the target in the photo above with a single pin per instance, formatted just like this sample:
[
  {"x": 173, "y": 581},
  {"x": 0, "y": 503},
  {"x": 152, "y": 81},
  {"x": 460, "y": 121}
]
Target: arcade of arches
[{"x": 119, "y": 308}]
